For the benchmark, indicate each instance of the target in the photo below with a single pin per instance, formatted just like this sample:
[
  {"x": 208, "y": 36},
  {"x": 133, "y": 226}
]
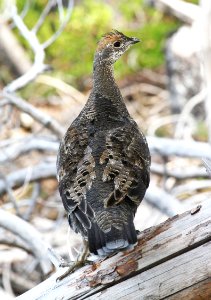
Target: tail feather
[{"x": 104, "y": 243}]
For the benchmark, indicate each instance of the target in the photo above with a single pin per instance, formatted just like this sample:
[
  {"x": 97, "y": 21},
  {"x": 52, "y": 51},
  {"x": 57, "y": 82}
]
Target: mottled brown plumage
[{"x": 103, "y": 160}]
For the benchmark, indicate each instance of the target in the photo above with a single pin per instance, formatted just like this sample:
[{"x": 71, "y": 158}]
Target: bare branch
[
  {"x": 39, "y": 116},
  {"x": 33, "y": 201},
  {"x": 43, "y": 15},
  {"x": 30, "y": 235},
  {"x": 207, "y": 164},
  {"x": 39, "y": 54},
  {"x": 190, "y": 172},
  {"x": 183, "y": 117},
  {"x": 162, "y": 200},
  {"x": 10, "y": 194},
  {"x": 38, "y": 172},
  {"x": 61, "y": 27},
  {"x": 60, "y": 9},
  {"x": 38, "y": 66},
  {"x": 183, "y": 148},
  {"x": 62, "y": 87},
  {"x": 14, "y": 149},
  {"x": 190, "y": 187}
]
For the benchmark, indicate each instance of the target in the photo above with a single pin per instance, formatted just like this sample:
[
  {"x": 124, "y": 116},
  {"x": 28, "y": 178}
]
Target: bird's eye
[{"x": 117, "y": 44}]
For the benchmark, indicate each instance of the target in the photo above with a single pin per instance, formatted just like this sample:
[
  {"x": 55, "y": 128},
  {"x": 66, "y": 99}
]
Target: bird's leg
[{"x": 81, "y": 259}]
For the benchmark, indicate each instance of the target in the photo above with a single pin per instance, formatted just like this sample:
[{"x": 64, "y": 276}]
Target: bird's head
[{"x": 112, "y": 46}]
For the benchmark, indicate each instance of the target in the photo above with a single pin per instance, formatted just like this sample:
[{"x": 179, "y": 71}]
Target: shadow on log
[{"x": 171, "y": 261}]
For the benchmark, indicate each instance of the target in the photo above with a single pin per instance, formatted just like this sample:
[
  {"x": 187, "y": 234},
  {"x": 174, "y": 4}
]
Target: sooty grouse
[{"x": 103, "y": 160}]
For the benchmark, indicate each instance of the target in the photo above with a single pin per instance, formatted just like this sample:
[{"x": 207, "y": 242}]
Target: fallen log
[{"x": 171, "y": 261}]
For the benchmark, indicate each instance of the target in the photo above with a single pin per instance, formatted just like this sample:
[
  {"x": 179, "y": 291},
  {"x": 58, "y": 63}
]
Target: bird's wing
[
  {"x": 127, "y": 162},
  {"x": 75, "y": 167}
]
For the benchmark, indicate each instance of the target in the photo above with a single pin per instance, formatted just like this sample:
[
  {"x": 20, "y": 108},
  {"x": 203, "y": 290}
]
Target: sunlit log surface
[{"x": 171, "y": 261}]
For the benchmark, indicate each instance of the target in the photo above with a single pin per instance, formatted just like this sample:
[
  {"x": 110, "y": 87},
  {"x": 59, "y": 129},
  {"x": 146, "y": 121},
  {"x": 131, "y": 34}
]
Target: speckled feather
[{"x": 103, "y": 160}]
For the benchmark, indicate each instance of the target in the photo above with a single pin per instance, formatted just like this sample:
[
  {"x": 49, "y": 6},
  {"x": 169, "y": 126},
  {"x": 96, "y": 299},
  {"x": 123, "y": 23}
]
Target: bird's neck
[{"x": 104, "y": 80}]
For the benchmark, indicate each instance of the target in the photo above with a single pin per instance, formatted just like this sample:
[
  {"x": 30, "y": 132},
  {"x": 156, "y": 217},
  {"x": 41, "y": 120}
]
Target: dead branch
[
  {"x": 191, "y": 187},
  {"x": 12, "y": 149},
  {"x": 36, "y": 173},
  {"x": 38, "y": 49},
  {"x": 30, "y": 235},
  {"x": 207, "y": 164},
  {"x": 63, "y": 21},
  {"x": 167, "y": 204},
  {"x": 181, "y": 174},
  {"x": 63, "y": 87},
  {"x": 162, "y": 200},
  {"x": 36, "y": 114},
  {"x": 12, "y": 255},
  {"x": 182, "y": 148},
  {"x": 185, "y": 114}
]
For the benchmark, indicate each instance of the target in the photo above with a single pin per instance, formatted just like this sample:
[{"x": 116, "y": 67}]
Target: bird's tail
[{"x": 104, "y": 243}]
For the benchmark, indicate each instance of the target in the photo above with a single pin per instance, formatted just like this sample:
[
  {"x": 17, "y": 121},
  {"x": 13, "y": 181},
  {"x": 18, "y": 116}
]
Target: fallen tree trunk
[{"x": 171, "y": 261}]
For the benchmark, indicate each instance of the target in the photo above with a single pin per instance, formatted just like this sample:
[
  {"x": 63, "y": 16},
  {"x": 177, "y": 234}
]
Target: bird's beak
[{"x": 134, "y": 40}]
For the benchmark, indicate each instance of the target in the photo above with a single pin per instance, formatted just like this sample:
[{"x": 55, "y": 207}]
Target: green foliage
[
  {"x": 77, "y": 44},
  {"x": 193, "y": 1},
  {"x": 201, "y": 132},
  {"x": 72, "y": 54}
]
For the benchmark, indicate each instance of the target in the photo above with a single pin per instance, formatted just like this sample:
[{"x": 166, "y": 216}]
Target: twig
[
  {"x": 10, "y": 194},
  {"x": 43, "y": 15},
  {"x": 207, "y": 164},
  {"x": 143, "y": 88},
  {"x": 63, "y": 87},
  {"x": 39, "y": 116},
  {"x": 61, "y": 27},
  {"x": 183, "y": 117},
  {"x": 13, "y": 241},
  {"x": 39, "y": 55},
  {"x": 20, "y": 283},
  {"x": 159, "y": 122},
  {"x": 38, "y": 49},
  {"x": 56, "y": 259},
  {"x": 33, "y": 201},
  {"x": 38, "y": 172},
  {"x": 6, "y": 278}
]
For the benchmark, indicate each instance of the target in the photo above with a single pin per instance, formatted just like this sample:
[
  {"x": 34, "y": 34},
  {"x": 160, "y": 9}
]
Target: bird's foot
[{"x": 72, "y": 266}]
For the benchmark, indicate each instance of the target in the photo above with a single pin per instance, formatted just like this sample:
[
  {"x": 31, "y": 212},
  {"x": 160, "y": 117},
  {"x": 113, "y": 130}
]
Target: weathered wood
[
  {"x": 200, "y": 291},
  {"x": 164, "y": 279},
  {"x": 170, "y": 257}
]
